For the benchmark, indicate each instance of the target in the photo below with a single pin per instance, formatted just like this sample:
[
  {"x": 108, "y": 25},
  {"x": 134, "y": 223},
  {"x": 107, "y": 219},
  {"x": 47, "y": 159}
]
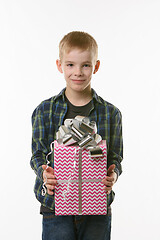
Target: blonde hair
[{"x": 77, "y": 39}]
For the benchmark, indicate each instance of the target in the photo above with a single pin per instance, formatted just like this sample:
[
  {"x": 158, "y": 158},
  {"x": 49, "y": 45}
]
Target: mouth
[{"x": 77, "y": 81}]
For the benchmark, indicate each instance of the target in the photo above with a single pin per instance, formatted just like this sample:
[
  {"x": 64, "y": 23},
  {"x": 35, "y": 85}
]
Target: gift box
[{"x": 79, "y": 190}]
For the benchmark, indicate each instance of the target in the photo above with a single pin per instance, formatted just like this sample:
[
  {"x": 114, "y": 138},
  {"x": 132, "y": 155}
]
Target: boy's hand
[
  {"x": 48, "y": 175},
  {"x": 110, "y": 179}
]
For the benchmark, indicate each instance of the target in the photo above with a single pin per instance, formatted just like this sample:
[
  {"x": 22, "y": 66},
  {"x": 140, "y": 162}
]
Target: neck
[{"x": 78, "y": 98}]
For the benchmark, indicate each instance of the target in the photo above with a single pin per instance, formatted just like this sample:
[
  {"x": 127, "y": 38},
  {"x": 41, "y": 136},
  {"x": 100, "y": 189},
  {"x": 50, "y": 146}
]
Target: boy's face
[{"x": 78, "y": 67}]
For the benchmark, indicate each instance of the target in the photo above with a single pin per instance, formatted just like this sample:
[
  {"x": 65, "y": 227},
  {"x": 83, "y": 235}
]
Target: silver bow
[{"x": 81, "y": 131}]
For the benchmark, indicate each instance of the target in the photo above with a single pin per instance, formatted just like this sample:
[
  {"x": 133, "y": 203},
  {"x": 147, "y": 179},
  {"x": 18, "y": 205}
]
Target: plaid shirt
[{"x": 49, "y": 116}]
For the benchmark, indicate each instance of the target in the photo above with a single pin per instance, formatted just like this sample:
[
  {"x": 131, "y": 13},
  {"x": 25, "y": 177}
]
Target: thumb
[
  {"x": 111, "y": 169},
  {"x": 48, "y": 169},
  {"x": 44, "y": 167}
]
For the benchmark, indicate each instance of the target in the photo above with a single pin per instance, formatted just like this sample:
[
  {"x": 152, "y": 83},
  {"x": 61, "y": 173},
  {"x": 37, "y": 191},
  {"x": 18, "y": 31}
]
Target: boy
[{"x": 78, "y": 53}]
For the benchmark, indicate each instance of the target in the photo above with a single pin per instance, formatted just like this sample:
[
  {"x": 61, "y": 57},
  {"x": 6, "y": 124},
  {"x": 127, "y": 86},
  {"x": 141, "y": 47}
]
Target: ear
[
  {"x": 96, "y": 66},
  {"x": 59, "y": 65}
]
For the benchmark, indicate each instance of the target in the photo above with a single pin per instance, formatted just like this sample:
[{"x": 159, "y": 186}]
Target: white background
[{"x": 128, "y": 35}]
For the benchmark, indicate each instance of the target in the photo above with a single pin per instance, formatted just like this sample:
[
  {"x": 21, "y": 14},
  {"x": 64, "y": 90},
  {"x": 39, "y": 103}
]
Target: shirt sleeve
[
  {"x": 39, "y": 141},
  {"x": 115, "y": 154}
]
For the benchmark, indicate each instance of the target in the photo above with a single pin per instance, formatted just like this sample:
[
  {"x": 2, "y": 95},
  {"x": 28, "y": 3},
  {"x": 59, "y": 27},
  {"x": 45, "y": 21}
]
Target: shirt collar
[
  {"x": 95, "y": 95},
  {"x": 61, "y": 94}
]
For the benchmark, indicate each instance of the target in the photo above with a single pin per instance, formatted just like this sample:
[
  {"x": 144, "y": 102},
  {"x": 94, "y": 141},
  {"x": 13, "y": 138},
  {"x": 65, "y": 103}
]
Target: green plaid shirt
[{"x": 49, "y": 116}]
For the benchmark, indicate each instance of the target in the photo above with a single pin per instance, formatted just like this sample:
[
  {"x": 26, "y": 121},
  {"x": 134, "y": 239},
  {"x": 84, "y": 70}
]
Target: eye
[
  {"x": 86, "y": 65},
  {"x": 70, "y": 65}
]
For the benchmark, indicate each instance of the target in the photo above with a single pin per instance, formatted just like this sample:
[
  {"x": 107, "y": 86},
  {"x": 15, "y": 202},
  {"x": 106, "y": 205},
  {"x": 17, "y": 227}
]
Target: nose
[{"x": 78, "y": 71}]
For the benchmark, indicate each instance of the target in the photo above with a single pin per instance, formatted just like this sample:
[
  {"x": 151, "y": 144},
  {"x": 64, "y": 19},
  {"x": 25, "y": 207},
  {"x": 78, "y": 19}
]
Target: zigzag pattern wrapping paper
[{"x": 85, "y": 195}]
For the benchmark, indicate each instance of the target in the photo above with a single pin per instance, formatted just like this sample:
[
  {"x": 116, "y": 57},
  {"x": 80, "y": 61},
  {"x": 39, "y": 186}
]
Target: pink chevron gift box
[{"x": 79, "y": 190}]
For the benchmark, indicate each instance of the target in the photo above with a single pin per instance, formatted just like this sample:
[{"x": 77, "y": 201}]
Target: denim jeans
[{"x": 76, "y": 227}]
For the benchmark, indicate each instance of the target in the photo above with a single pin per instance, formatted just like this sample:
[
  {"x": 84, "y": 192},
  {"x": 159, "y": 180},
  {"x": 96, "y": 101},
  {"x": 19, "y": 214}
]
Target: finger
[
  {"x": 48, "y": 169},
  {"x": 109, "y": 179},
  {"x": 48, "y": 175},
  {"x": 50, "y": 187},
  {"x": 51, "y": 181},
  {"x": 107, "y": 189},
  {"x": 108, "y": 184},
  {"x": 44, "y": 167},
  {"x": 111, "y": 169},
  {"x": 50, "y": 192}
]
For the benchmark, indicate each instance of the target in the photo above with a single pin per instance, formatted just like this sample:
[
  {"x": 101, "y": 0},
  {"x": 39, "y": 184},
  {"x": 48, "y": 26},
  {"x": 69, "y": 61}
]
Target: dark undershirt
[{"x": 72, "y": 112}]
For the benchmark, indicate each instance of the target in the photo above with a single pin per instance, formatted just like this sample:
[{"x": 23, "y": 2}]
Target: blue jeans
[{"x": 76, "y": 227}]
